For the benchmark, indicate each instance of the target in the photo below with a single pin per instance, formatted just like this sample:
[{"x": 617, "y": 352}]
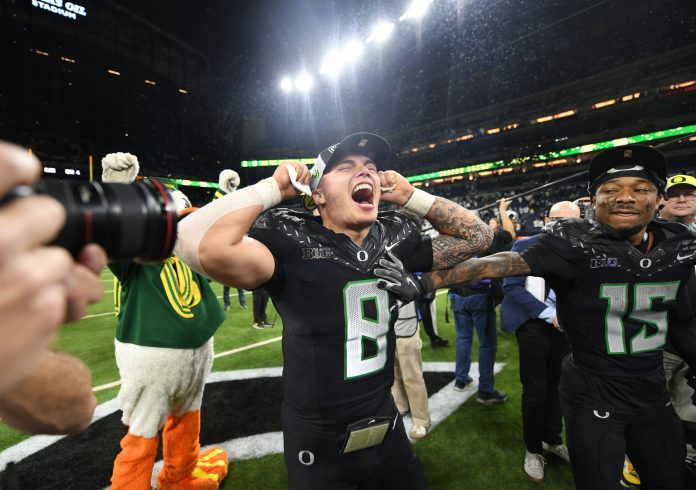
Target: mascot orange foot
[
  {"x": 133, "y": 465},
  {"x": 184, "y": 468}
]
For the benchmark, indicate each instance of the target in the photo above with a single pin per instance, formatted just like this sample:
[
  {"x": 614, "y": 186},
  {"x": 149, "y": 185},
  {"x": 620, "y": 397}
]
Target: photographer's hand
[{"x": 41, "y": 286}]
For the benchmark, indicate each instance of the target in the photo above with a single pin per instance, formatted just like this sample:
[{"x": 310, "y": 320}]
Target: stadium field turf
[{"x": 475, "y": 447}]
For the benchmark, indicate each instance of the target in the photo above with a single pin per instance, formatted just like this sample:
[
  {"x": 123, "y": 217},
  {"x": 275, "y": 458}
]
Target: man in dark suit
[{"x": 529, "y": 310}]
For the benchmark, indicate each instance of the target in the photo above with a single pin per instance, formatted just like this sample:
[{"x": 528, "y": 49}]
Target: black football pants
[
  {"x": 313, "y": 460},
  {"x": 598, "y": 441},
  {"x": 542, "y": 349}
]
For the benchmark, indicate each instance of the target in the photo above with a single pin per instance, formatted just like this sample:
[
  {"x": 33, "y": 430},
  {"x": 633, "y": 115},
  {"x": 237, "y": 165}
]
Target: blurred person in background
[
  {"x": 474, "y": 306},
  {"x": 41, "y": 288},
  {"x": 408, "y": 390},
  {"x": 680, "y": 206},
  {"x": 529, "y": 310},
  {"x": 260, "y": 299}
]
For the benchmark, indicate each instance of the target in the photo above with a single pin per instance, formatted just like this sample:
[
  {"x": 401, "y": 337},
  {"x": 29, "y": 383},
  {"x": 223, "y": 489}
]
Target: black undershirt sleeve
[{"x": 421, "y": 257}]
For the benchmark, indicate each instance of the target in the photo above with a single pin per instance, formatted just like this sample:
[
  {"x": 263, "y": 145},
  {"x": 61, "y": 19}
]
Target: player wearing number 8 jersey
[
  {"x": 341, "y": 428},
  {"x": 619, "y": 282}
]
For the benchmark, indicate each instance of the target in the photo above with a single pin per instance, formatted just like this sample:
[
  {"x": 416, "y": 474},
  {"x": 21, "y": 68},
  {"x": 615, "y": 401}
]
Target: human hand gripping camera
[{"x": 42, "y": 287}]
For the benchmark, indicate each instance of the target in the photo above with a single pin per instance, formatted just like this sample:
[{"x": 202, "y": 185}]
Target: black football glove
[{"x": 394, "y": 278}]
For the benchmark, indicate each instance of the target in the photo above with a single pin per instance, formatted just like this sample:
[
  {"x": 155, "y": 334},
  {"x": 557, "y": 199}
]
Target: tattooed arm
[
  {"x": 462, "y": 233},
  {"x": 394, "y": 278},
  {"x": 504, "y": 264}
]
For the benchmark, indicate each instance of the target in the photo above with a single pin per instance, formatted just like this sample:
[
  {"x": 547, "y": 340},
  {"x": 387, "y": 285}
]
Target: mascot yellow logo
[{"x": 181, "y": 290}]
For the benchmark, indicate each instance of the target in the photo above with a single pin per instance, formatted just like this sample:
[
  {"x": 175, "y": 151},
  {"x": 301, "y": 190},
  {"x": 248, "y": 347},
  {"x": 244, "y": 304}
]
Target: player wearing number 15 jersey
[
  {"x": 619, "y": 282},
  {"x": 340, "y": 425}
]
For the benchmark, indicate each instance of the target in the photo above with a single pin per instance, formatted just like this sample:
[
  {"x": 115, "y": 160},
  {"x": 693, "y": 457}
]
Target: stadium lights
[
  {"x": 113, "y": 72},
  {"x": 304, "y": 82},
  {"x": 381, "y": 32},
  {"x": 150, "y": 82},
  {"x": 183, "y": 91},
  {"x": 286, "y": 84},
  {"x": 333, "y": 64},
  {"x": 416, "y": 10},
  {"x": 49, "y": 170},
  {"x": 42, "y": 53},
  {"x": 353, "y": 50},
  {"x": 336, "y": 60},
  {"x": 67, "y": 60},
  {"x": 604, "y": 103}
]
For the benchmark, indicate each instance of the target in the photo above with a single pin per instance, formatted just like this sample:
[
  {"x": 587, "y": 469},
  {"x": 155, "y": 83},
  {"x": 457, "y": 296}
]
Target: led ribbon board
[{"x": 480, "y": 167}]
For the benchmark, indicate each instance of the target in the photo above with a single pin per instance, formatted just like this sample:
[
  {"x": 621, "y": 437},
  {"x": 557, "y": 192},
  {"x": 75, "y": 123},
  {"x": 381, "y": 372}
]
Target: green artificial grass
[{"x": 476, "y": 447}]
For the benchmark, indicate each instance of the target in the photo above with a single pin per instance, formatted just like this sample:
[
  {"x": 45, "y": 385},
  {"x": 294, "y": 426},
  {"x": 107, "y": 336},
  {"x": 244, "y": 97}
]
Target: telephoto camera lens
[{"x": 130, "y": 221}]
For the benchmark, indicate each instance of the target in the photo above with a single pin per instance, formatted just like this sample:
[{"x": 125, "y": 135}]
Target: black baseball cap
[
  {"x": 642, "y": 161},
  {"x": 370, "y": 145}
]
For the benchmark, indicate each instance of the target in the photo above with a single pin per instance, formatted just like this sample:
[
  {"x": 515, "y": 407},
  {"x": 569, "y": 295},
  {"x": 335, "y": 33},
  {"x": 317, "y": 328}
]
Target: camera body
[{"x": 130, "y": 221}]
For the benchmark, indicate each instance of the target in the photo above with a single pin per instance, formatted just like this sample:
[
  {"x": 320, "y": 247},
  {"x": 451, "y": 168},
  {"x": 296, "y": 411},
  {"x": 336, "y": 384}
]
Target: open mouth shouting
[{"x": 363, "y": 195}]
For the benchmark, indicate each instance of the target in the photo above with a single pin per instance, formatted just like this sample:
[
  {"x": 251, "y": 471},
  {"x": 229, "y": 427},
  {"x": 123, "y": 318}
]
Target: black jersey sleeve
[
  {"x": 502, "y": 241},
  {"x": 551, "y": 258},
  {"x": 265, "y": 230}
]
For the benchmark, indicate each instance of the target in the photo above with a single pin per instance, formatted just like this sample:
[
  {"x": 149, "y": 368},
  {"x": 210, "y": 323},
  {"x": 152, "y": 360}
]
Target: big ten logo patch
[
  {"x": 598, "y": 262},
  {"x": 316, "y": 253}
]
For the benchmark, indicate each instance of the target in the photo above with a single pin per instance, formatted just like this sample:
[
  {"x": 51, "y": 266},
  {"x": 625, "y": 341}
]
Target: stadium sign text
[{"x": 58, "y": 7}]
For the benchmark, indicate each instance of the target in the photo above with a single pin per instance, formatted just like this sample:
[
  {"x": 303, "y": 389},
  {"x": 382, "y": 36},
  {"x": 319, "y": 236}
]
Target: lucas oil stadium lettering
[{"x": 66, "y": 9}]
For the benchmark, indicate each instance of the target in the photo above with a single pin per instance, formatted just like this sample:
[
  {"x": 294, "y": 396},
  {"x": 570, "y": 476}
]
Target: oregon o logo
[
  {"x": 645, "y": 263},
  {"x": 362, "y": 255},
  {"x": 306, "y": 458},
  {"x": 677, "y": 179},
  {"x": 308, "y": 202}
]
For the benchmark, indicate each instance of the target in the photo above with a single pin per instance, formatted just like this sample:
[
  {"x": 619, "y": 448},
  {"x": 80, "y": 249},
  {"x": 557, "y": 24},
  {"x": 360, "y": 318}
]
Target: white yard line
[
  {"x": 113, "y": 384},
  {"x": 98, "y": 314},
  {"x": 247, "y": 347}
]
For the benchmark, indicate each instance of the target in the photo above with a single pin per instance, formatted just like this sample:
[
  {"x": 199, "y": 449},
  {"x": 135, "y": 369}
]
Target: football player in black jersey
[
  {"x": 620, "y": 281},
  {"x": 341, "y": 427}
]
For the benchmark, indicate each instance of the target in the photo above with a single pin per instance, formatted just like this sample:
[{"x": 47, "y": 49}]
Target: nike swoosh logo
[
  {"x": 389, "y": 247},
  {"x": 682, "y": 257},
  {"x": 616, "y": 170},
  {"x": 410, "y": 281}
]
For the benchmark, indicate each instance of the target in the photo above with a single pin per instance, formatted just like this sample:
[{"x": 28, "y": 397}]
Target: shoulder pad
[
  {"x": 273, "y": 218},
  {"x": 574, "y": 230},
  {"x": 674, "y": 228},
  {"x": 396, "y": 220}
]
